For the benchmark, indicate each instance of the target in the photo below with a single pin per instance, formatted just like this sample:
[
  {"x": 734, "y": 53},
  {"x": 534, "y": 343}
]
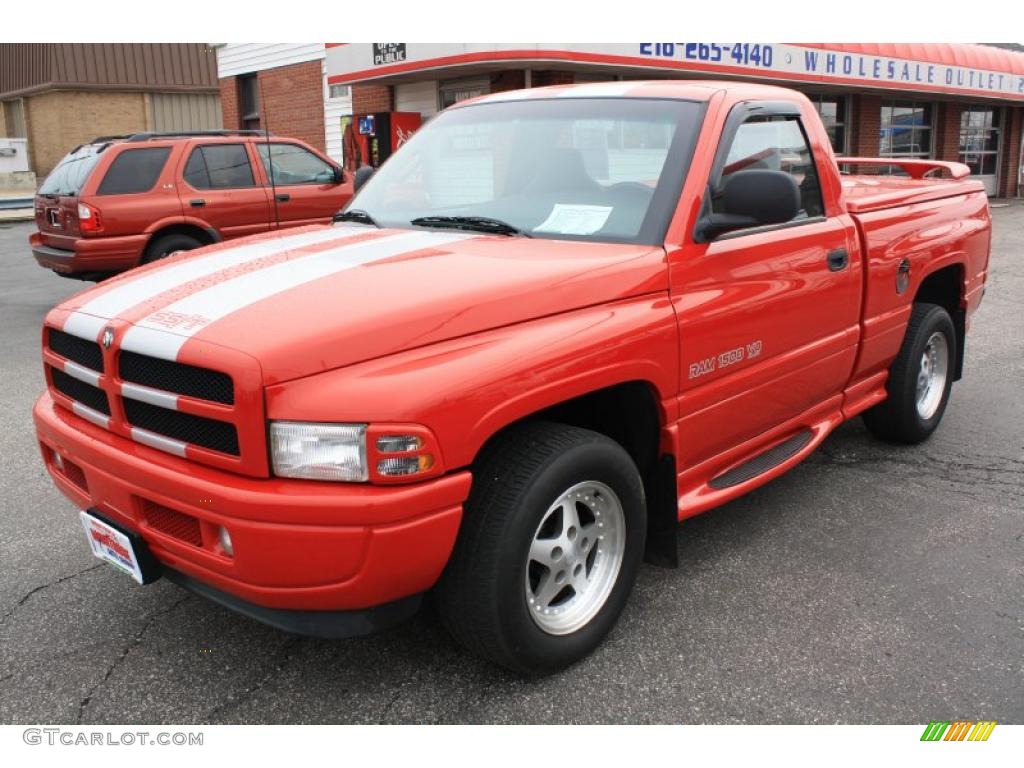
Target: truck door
[
  {"x": 220, "y": 189},
  {"x": 768, "y": 315}
]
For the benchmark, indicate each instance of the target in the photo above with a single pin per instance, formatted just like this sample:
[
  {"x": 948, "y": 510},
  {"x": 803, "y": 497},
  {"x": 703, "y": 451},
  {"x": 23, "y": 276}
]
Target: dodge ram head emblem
[{"x": 108, "y": 338}]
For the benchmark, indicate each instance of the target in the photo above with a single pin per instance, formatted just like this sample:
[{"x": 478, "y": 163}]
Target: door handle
[
  {"x": 838, "y": 259},
  {"x": 197, "y": 203},
  {"x": 283, "y": 197}
]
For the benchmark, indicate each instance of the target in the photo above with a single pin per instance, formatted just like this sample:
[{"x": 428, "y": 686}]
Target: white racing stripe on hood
[
  {"x": 89, "y": 319},
  {"x": 163, "y": 333}
]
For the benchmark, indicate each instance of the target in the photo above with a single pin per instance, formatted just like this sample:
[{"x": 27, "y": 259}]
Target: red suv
[{"x": 121, "y": 201}]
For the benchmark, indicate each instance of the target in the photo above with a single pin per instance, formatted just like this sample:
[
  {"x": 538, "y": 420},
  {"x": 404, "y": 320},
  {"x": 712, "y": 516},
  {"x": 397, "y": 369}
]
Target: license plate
[{"x": 111, "y": 545}]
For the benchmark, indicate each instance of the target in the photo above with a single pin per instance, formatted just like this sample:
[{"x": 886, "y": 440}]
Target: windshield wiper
[
  {"x": 472, "y": 223},
  {"x": 357, "y": 215}
]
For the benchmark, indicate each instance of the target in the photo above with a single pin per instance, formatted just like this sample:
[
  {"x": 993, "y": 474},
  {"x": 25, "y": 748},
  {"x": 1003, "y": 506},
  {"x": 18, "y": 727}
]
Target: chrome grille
[
  {"x": 197, "y": 430},
  {"x": 86, "y": 394},
  {"x": 182, "y": 379},
  {"x": 165, "y": 404},
  {"x": 75, "y": 349}
]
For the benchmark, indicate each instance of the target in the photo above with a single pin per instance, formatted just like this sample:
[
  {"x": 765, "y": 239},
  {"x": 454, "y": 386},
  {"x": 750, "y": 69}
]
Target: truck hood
[{"x": 317, "y": 298}]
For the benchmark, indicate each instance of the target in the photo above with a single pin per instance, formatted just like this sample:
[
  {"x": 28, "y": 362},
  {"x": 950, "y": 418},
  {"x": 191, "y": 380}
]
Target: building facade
[
  {"x": 60, "y": 95},
  {"x": 949, "y": 102},
  {"x": 283, "y": 88}
]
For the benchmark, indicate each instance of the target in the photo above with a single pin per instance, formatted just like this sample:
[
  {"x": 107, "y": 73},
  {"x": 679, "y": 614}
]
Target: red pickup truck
[
  {"x": 121, "y": 201},
  {"x": 553, "y": 325}
]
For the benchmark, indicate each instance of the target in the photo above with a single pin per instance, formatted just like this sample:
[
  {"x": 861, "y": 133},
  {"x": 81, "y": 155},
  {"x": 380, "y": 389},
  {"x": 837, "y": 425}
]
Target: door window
[
  {"x": 777, "y": 143},
  {"x": 219, "y": 166},
  {"x": 291, "y": 164}
]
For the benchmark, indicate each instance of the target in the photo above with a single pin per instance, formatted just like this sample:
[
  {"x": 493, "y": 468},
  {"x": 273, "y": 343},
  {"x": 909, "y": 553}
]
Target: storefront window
[
  {"x": 906, "y": 129},
  {"x": 454, "y": 91},
  {"x": 979, "y": 139},
  {"x": 833, "y": 112}
]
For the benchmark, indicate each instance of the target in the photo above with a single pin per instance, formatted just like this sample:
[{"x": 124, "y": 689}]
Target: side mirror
[
  {"x": 339, "y": 175},
  {"x": 752, "y": 199},
  {"x": 362, "y": 176}
]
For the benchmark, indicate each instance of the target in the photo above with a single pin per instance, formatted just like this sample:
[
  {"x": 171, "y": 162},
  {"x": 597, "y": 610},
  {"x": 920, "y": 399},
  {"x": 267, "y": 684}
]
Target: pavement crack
[
  {"x": 282, "y": 658},
  {"x": 388, "y": 706},
  {"x": 25, "y": 598},
  {"x": 133, "y": 643},
  {"x": 964, "y": 471}
]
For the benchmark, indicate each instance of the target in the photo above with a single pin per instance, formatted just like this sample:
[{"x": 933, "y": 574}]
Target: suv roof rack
[{"x": 147, "y": 136}]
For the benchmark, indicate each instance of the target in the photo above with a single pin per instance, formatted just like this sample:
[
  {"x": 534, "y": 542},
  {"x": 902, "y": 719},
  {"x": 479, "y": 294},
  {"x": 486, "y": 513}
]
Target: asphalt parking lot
[{"x": 872, "y": 584}]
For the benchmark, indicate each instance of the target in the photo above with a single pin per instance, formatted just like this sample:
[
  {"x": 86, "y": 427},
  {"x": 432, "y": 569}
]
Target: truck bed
[
  {"x": 865, "y": 193},
  {"x": 874, "y": 193}
]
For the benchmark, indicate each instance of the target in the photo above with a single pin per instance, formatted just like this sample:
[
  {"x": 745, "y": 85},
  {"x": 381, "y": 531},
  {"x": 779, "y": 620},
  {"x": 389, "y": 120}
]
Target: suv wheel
[
  {"x": 164, "y": 246},
  {"x": 551, "y": 540},
  {"x": 920, "y": 379}
]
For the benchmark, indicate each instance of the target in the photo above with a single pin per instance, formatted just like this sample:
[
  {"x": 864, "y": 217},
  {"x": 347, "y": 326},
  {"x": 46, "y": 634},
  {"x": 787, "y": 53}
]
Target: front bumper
[
  {"x": 70, "y": 256},
  {"x": 298, "y": 545}
]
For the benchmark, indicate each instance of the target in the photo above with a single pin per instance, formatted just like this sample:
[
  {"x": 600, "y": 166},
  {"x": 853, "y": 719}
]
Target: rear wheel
[
  {"x": 920, "y": 379},
  {"x": 164, "y": 246},
  {"x": 551, "y": 540}
]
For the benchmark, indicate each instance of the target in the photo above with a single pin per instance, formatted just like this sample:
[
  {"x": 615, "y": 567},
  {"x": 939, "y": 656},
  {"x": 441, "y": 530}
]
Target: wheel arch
[
  {"x": 630, "y": 413},
  {"x": 945, "y": 288},
  {"x": 205, "y": 235}
]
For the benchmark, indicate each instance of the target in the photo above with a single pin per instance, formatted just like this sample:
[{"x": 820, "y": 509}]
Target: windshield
[
  {"x": 71, "y": 173},
  {"x": 569, "y": 168}
]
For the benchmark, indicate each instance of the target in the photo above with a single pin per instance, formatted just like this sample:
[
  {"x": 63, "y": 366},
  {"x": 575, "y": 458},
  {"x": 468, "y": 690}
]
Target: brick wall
[
  {"x": 291, "y": 102},
  {"x": 947, "y": 131},
  {"x": 370, "y": 98},
  {"x": 866, "y": 123},
  {"x": 58, "y": 121},
  {"x": 229, "y": 101}
]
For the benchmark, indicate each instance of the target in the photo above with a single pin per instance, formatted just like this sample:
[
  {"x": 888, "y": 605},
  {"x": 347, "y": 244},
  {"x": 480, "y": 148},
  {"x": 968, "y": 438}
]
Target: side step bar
[{"x": 763, "y": 462}]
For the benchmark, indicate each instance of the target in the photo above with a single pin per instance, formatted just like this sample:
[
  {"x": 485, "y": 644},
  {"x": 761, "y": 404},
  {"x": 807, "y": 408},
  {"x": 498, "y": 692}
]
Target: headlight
[{"x": 319, "y": 451}]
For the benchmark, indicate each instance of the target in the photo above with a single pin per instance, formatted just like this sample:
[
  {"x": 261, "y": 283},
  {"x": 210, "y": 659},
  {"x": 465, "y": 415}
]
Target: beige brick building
[{"x": 59, "y": 95}]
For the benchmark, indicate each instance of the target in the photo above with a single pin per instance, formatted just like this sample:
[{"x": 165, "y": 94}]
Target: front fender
[{"x": 467, "y": 389}]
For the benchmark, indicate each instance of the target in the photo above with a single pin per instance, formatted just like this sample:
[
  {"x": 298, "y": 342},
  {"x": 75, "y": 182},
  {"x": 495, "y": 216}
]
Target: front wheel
[
  {"x": 551, "y": 540},
  {"x": 919, "y": 381}
]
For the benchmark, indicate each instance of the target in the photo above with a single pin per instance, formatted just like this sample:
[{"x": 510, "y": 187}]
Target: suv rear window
[
  {"x": 71, "y": 173},
  {"x": 219, "y": 166},
  {"x": 134, "y": 170}
]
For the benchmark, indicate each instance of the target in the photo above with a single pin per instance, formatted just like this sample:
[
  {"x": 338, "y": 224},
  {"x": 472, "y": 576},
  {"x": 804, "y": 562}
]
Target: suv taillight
[{"x": 88, "y": 218}]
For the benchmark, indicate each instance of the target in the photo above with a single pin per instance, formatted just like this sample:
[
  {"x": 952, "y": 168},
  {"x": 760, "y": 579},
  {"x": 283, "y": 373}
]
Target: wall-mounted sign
[
  {"x": 947, "y": 70},
  {"x": 366, "y": 125},
  {"x": 388, "y": 53}
]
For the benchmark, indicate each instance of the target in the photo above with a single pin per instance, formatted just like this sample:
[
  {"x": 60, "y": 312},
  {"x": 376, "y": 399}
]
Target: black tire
[
  {"x": 164, "y": 246},
  {"x": 481, "y": 597},
  {"x": 896, "y": 419}
]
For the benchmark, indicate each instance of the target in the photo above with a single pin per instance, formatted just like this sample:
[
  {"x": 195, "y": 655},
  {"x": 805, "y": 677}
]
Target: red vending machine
[{"x": 370, "y": 139}]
